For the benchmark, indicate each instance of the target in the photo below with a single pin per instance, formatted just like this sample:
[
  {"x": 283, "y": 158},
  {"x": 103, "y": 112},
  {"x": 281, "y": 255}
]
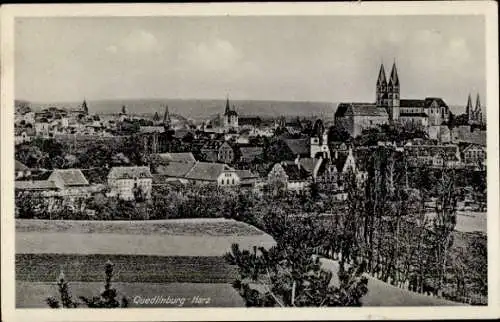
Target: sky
[{"x": 306, "y": 58}]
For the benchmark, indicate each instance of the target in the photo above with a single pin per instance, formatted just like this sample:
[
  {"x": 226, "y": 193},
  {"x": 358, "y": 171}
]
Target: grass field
[
  {"x": 178, "y": 227},
  {"x": 131, "y": 268},
  {"x": 33, "y": 294}
]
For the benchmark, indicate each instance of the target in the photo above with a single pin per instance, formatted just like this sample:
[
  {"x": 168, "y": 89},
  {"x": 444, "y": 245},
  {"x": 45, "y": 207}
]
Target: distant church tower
[
  {"x": 478, "y": 114},
  {"x": 85, "y": 108},
  {"x": 230, "y": 116},
  {"x": 393, "y": 97},
  {"x": 319, "y": 141}
]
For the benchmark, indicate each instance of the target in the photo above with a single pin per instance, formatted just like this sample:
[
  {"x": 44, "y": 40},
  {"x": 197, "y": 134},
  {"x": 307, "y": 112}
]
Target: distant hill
[{"x": 202, "y": 108}]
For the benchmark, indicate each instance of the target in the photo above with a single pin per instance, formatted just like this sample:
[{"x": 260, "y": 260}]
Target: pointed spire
[
  {"x": 156, "y": 117},
  {"x": 468, "y": 108},
  {"x": 85, "y": 107},
  {"x": 166, "y": 116},
  {"x": 227, "y": 105},
  {"x": 124, "y": 109},
  {"x": 381, "y": 76},
  {"x": 394, "y": 75},
  {"x": 478, "y": 104}
]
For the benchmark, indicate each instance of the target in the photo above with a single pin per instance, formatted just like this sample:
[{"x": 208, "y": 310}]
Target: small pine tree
[{"x": 107, "y": 298}]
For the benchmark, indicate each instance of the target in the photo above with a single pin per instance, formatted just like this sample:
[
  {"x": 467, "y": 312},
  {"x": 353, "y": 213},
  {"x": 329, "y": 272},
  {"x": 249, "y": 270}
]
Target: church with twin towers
[{"x": 389, "y": 108}]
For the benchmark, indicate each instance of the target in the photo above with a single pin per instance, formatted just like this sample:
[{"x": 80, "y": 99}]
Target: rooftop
[{"x": 129, "y": 173}]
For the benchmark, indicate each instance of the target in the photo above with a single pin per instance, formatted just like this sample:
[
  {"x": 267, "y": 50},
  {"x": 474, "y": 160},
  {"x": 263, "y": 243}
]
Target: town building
[
  {"x": 250, "y": 153},
  {"x": 287, "y": 176},
  {"x": 389, "y": 108},
  {"x": 218, "y": 151},
  {"x": 433, "y": 155},
  {"x": 129, "y": 182},
  {"x": 474, "y": 155},
  {"x": 319, "y": 141}
]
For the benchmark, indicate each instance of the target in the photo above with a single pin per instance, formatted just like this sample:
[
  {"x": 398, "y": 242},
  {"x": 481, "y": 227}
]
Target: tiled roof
[
  {"x": 20, "y": 166},
  {"x": 294, "y": 173},
  {"x": 174, "y": 169},
  {"x": 129, "y": 173},
  {"x": 246, "y": 174},
  {"x": 207, "y": 171},
  {"x": 186, "y": 157},
  {"x": 411, "y": 103},
  {"x": 35, "y": 185},
  {"x": 298, "y": 146},
  {"x": 69, "y": 177},
  {"x": 368, "y": 110},
  {"x": 250, "y": 152}
]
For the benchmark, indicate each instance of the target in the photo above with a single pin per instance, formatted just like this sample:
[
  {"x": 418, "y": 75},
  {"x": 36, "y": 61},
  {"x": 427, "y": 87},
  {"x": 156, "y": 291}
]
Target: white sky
[{"x": 334, "y": 58}]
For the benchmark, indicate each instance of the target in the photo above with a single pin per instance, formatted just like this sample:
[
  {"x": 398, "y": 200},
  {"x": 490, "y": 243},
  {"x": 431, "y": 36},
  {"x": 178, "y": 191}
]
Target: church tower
[
  {"x": 393, "y": 97},
  {"x": 319, "y": 141},
  {"x": 381, "y": 87}
]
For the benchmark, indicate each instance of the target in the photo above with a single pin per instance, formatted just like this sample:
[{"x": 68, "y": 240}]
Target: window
[{"x": 233, "y": 181}]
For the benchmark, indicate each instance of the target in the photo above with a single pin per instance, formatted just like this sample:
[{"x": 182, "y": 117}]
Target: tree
[{"x": 290, "y": 273}]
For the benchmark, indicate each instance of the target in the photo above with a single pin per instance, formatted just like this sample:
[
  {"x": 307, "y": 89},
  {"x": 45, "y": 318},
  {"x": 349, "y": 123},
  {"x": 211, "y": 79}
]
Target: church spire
[
  {"x": 468, "y": 108},
  {"x": 166, "y": 116},
  {"x": 85, "y": 107},
  {"x": 381, "y": 76},
  {"x": 394, "y": 81},
  {"x": 227, "y": 106},
  {"x": 478, "y": 104}
]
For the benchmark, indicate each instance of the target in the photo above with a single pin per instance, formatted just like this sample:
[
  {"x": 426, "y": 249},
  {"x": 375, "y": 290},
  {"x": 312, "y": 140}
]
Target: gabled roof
[
  {"x": 246, "y": 174},
  {"x": 129, "y": 173},
  {"x": 394, "y": 80},
  {"x": 174, "y": 169},
  {"x": 367, "y": 110},
  {"x": 250, "y": 152},
  {"x": 35, "y": 185},
  {"x": 294, "y": 173},
  {"x": 185, "y": 157},
  {"x": 69, "y": 177},
  {"x": 298, "y": 146},
  {"x": 473, "y": 146},
  {"x": 207, "y": 171},
  {"x": 440, "y": 102}
]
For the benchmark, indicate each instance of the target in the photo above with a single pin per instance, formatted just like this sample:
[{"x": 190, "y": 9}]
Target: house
[
  {"x": 474, "y": 155},
  {"x": 173, "y": 167},
  {"x": 219, "y": 174},
  {"x": 287, "y": 176},
  {"x": 247, "y": 178},
  {"x": 127, "y": 182},
  {"x": 250, "y": 153},
  {"x": 70, "y": 181},
  {"x": 433, "y": 155},
  {"x": 218, "y": 151}
]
